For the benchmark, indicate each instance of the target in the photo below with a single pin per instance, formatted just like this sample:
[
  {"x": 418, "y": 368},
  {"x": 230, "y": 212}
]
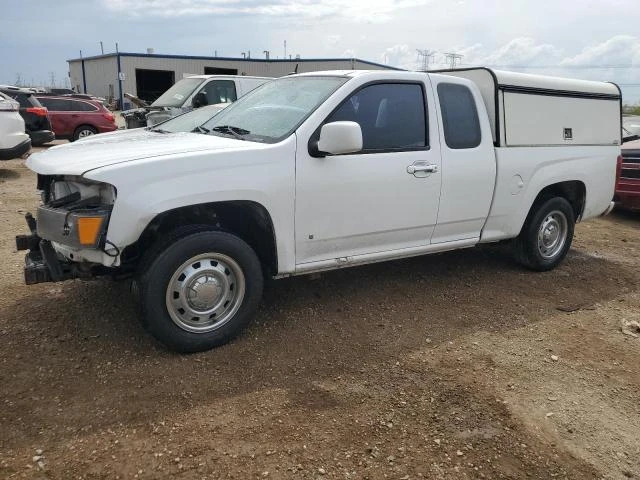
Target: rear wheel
[
  {"x": 84, "y": 131},
  {"x": 201, "y": 291},
  {"x": 546, "y": 236}
]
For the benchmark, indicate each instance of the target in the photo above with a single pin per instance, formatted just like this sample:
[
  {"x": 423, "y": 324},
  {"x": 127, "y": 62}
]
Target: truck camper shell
[{"x": 537, "y": 110}]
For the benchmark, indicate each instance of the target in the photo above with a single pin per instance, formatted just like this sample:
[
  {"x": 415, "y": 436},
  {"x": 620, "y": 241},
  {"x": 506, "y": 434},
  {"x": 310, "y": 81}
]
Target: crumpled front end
[{"x": 68, "y": 235}]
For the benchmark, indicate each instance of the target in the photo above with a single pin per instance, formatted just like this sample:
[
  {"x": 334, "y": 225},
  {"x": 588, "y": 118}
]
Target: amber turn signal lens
[{"x": 88, "y": 229}]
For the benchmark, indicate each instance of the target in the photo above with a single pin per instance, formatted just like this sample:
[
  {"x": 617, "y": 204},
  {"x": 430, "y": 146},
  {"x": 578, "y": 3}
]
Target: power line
[
  {"x": 453, "y": 59},
  {"x": 563, "y": 66},
  {"x": 424, "y": 57}
]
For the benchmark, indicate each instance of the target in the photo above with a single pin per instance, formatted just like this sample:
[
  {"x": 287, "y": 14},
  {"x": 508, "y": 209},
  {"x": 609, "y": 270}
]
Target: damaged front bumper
[{"x": 42, "y": 262}]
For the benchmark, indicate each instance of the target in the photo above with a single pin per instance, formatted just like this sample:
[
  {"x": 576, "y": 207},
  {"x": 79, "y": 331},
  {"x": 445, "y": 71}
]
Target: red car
[
  {"x": 74, "y": 118},
  {"x": 628, "y": 179}
]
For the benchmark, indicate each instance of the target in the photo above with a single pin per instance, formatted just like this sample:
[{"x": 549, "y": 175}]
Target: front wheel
[
  {"x": 201, "y": 291},
  {"x": 547, "y": 234}
]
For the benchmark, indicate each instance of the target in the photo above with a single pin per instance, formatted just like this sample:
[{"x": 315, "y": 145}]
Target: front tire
[
  {"x": 200, "y": 291},
  {"x": 546, "y": 235}
]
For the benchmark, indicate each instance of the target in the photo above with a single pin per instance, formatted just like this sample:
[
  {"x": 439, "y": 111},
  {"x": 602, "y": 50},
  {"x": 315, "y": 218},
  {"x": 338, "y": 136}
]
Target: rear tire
[
  {"x": 546, "y": 235},
  {"x": 200, "y": 291},
  {"x": 83, "y": 131}
]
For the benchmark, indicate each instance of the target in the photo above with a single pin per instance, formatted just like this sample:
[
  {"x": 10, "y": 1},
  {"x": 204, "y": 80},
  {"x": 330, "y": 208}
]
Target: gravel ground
[{"x": 452, "y": 366}]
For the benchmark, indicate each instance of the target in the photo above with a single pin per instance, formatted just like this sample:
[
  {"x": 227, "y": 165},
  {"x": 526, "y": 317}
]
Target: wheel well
[
  {"x": 85, "y": 125},
  {"x": 248, "y": 220},
  {"x": 574, "y": 191}
]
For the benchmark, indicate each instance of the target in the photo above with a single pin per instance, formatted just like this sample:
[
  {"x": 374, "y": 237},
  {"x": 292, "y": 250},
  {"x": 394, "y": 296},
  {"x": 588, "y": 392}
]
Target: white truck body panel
[
  {"x": 523, "y": 172},
  {"x": 468, "y": 173},
  {"x": 533, "y": 120},
  {"x": 343, "y": 210}
]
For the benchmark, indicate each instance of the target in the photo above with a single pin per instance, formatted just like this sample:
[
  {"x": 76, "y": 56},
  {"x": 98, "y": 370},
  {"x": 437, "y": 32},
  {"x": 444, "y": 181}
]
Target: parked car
[
  {"x": 320, "y": 171},
  {"x": 627, "y": 194},
  {"x": 14, "y": 142},
  {"x": 74, "y": 118},
  {"x": 192, "y": 92},
  {"x": 36, "y": 117}
]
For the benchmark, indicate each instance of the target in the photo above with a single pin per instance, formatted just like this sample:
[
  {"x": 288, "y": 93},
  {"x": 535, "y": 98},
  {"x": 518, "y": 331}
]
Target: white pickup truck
[{"x": 319, "y": 171}]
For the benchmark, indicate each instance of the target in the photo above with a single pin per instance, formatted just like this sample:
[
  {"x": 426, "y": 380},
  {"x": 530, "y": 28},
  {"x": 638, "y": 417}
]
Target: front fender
[{"x": 265, "y": 174}]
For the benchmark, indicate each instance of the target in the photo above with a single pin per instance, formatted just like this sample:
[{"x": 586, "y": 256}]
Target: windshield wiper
[
  {"x": 159, "y": 130},
  {"x": 235, "y": 131},
  {"x": 200, "y": 129}
]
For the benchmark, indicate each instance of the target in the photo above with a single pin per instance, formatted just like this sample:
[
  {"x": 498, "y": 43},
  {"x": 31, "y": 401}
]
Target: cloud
[
  {"x": 401, "y": 56},
  {"x": 621, "y": 50},
  {"x": 524, "y": 51},
  {"x": 348, "y": 54},
  {"x": 374, "y": 11},
  {"x": 616, "y": 59},
  {"x": 333, "y": 39}
]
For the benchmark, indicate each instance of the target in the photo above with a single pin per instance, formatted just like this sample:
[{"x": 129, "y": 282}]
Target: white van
[
  {"x": 14, "y": 142},
  {"x": 199, "y": 90}
]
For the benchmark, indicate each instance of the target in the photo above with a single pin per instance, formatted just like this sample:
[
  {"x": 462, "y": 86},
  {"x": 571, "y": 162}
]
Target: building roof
[{"x": 232, "y": 59}]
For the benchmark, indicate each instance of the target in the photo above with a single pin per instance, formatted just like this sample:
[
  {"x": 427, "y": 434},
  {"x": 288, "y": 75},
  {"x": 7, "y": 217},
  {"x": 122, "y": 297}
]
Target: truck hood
[{"x": 102, "y": 150}]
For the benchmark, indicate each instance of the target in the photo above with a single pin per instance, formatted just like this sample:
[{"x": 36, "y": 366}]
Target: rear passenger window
[
  {"x": 459, "y": 116},
  {"x": 391, "y": 116},
  {"x": 55, "y": 104},
  {"x": 76, "y": 106}
]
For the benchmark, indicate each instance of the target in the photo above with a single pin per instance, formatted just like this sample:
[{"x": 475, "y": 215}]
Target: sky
[{"x": 588, "y": 39}]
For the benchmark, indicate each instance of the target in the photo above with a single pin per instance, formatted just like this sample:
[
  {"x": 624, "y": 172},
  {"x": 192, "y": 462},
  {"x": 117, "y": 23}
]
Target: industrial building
[{"x": 147, "y": 75}]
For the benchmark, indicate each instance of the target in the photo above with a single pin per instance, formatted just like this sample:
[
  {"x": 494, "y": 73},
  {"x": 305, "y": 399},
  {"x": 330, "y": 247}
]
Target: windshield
[
  {"x": 176, "y": 95},
  {"x": 274, "y": 110},
  {"x": 190, "y": 121}
]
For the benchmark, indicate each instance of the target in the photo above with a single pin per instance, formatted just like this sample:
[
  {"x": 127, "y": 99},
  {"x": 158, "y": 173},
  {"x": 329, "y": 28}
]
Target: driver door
[{"x": 375, "y": 200}]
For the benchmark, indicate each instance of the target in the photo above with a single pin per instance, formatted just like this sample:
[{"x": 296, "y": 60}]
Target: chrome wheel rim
[
  {"x": 85, "y": 133},
  {"x": 205, "y": 292},
  {"x": 552, "y": 234}
]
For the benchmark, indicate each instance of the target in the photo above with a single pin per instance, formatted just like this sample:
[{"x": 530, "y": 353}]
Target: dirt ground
[{"x": 452, "y": 366}]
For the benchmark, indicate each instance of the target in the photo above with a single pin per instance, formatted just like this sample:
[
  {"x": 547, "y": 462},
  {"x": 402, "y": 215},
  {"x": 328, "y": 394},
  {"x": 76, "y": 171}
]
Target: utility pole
[
  {"x": 101, "y": 47},
  {"x": 285, "y": 50},
  {"x": 424, "y": 59},
  {"x": 52, "y": 77},
  {"x": 453, "y": 59},
  {"x": 266, "y": 52}
]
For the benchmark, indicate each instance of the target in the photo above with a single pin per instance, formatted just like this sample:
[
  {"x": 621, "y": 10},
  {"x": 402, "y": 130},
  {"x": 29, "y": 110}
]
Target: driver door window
[
  {"x": 391, "y": 115},
  {"x": 220, "y": 91}
]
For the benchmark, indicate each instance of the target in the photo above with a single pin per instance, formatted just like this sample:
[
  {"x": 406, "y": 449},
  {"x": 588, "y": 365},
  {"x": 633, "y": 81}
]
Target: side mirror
[
  {"x": 340, "y": 137},
  {"x": 199, "y": 100}
]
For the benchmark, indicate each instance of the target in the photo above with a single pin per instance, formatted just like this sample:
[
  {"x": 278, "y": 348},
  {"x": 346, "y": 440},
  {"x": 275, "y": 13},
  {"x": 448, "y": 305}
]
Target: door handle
[{"x": 420, "y": 167}]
